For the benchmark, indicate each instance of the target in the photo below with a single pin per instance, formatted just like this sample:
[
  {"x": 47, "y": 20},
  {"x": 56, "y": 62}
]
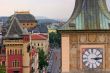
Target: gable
[{"x": 14, "y": 29}]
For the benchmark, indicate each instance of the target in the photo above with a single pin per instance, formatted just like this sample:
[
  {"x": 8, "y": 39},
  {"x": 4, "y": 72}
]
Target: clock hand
[{"x": 97, "y": 58}]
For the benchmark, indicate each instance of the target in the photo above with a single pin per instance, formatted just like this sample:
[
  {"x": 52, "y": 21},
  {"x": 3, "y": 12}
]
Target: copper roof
[{"x": 89, "y": 15}]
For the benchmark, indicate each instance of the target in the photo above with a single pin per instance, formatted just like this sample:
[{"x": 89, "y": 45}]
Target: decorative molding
[
  {"x": 83, "y": 38},
  {"x": 101, "y": 38},
  {"x": 73, "y": 38},
  {"x": 92, "y": 37}
]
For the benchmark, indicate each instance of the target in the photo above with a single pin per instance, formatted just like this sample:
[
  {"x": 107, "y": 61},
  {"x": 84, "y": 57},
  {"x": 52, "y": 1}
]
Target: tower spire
[{"x": 89, "y": 15}]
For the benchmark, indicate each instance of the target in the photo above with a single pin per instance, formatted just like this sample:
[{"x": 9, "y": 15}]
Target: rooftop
[
  {"x": 25, "y": 17},
  {"x": 22, "y": 12},
  {"x": 89, "y": 15},
  {"x": 39, "y": 37}
]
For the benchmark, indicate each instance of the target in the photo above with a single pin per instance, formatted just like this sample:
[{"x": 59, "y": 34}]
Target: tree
[
  {"x": 2, "y": 69},
  {"x": 42, "y": 60},
  {"x": 55, "y": 39}
]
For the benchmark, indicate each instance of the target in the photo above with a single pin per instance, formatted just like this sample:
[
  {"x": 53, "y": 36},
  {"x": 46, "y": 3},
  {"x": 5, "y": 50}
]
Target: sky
[{"x": 60, "y": 9}]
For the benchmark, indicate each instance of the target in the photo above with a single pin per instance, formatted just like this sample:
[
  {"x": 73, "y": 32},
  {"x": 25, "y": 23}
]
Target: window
[
  {"x": 27, "y": 24},
  {"x": 10, "y": 52},
  {"x": 42, "y": 44},
  {"x": 38, "y": 44},
  {"x": 15, "y": 52},
  {"x": 3, "y": 63},
  {"x": 18, "y": 51},
  {"x": 34, "y": 44},
  {"x": 28, "y": 48},
  {"x": 3, "y": 51},
  {"x": 21, "y": 51},
  {"x": 15, "y": 63}
]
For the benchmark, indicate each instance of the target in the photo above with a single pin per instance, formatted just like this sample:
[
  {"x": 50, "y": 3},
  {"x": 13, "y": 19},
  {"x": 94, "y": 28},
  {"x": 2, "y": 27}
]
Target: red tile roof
[
  {"x": 38, "y": 37},
  {"x": 44, "y": 35}
]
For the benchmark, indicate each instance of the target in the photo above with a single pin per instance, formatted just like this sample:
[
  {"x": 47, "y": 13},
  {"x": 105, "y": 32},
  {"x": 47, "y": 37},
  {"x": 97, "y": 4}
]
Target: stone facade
[{"x": 73, "y": 44}]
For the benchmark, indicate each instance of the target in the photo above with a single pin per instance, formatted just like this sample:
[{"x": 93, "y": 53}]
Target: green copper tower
[{"x": 89, "y": 15}]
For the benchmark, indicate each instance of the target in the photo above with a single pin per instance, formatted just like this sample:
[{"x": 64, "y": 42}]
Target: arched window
[
  {"x": 21, "y": 51},
  {"x": 38, "y": 44},
  {"x": 18, "y": 51},
  {"x": 3, "y": 63},
  {"x": 10, "y": 52},
  {"x": 15, "y": 52},
  {"x": 34, "y": 44}
]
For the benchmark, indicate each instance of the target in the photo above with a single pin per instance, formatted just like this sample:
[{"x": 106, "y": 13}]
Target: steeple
[{"x": 89, "y": 15}]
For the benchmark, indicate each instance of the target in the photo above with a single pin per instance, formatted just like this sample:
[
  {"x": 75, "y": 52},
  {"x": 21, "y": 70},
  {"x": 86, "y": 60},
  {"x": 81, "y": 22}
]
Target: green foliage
[
  {"x": 2, "y": 69},
  {"x": 42, "y": 59},
  {"x": 55, "y": 39}
]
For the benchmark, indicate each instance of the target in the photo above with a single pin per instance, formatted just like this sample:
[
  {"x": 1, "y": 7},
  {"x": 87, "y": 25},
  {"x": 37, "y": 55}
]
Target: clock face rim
[{"x": 94, "y": 57}]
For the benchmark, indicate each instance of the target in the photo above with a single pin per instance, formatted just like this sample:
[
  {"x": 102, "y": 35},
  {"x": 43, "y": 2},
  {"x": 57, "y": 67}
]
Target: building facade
[
  {"x": 16, "y": 41},
  {"x": 40, "y": 41},
  {"x": 26, "y": 20},
  {"x": 85, "y": 39},
  {"x": 14, "y": 56}
]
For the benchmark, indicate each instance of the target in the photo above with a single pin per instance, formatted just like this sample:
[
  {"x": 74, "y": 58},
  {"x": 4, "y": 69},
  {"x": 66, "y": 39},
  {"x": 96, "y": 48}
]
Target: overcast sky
[{"x": 50, "y": 8}]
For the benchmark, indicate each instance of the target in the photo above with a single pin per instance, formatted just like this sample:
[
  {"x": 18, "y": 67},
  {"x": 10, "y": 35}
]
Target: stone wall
[{"x": 79, "y": 40}]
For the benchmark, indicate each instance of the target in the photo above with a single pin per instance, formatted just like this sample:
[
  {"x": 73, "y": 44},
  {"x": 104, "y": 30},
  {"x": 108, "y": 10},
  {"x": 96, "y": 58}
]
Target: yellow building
[
  {"x": 40, "y": 41},
  {"x": 25, "y": 19}
]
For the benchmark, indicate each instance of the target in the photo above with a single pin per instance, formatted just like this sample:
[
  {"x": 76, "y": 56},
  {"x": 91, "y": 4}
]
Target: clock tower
[{"x": 86, "y": 39}]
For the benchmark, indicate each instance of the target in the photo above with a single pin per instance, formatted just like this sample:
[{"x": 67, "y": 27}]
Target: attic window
[{"x": 72, "y": 25}]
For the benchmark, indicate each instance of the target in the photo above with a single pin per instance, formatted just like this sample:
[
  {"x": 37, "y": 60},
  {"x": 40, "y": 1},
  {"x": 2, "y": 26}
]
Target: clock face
[{"x": 92, "y": 58}]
